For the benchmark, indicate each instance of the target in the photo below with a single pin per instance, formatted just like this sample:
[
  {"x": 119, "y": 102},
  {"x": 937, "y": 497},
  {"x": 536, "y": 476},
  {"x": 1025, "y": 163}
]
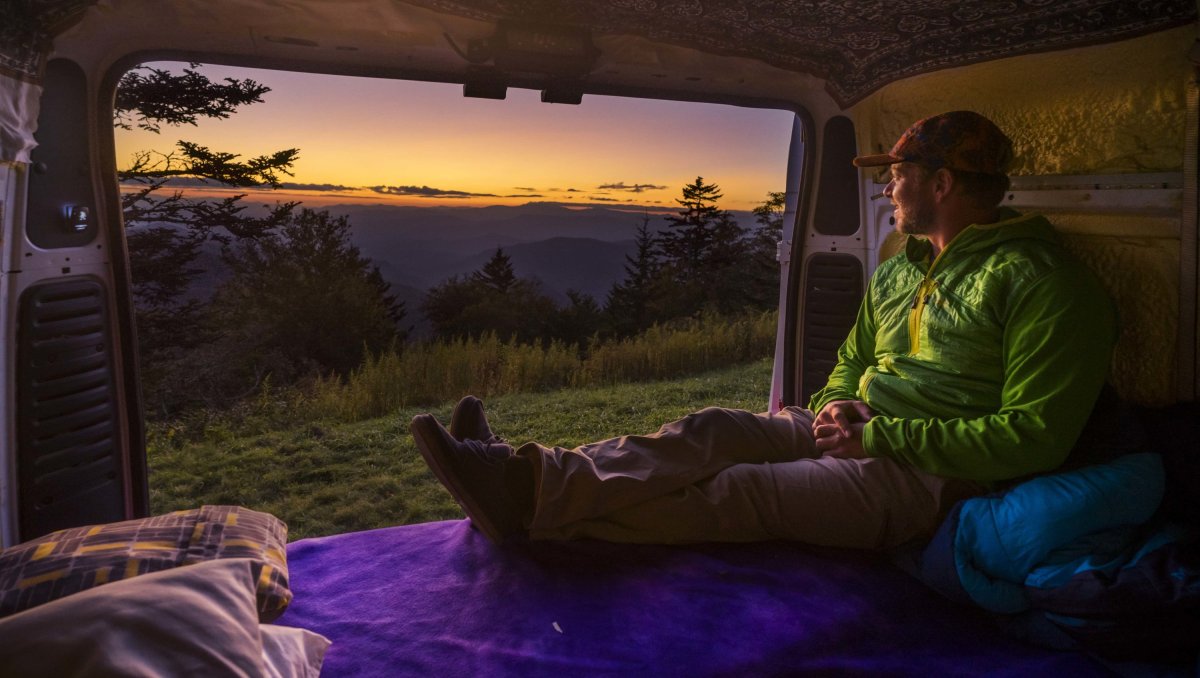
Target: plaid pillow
[{"x": 78, "y": 558}]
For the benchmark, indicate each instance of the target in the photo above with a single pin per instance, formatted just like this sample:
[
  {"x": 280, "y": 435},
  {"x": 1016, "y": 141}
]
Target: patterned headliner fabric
[
  {"x": 856, "y": 45},
  {"x": 25, "y": 30}
]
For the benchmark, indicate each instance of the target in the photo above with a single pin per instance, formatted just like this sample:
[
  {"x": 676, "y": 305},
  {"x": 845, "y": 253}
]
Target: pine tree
[
  {"x": 497, "y": 273},
  {"x": 769, "y": 215},
  {"x": 762, "y": 269},
  {"x": 700, "y": 252},
  {"x": 688, "y": 242},
  {"x": 156, "y": 97},
  {"x": 628, "y": 306},
  {"x": 491, "y": 299}
]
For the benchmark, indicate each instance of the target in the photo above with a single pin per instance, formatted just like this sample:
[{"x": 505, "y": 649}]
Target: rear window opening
[{"x": 417, "y": 245}]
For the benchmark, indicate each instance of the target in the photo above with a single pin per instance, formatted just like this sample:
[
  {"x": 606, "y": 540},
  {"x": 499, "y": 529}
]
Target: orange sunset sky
[{"x": 369, "y": 140}]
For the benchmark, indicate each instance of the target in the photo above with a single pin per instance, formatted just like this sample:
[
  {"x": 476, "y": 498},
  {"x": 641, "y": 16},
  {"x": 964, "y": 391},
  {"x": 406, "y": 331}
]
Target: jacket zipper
[{"x": 924, "y": 293}]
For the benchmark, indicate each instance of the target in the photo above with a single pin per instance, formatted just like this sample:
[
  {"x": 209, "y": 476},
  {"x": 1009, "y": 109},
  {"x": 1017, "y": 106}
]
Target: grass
[
  {"x": 425, "y": 373},
  {"x": 325, "y": 477}
]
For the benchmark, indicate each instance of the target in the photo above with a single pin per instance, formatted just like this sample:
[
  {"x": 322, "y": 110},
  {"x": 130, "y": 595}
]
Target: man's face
[{"x": 911, "y": 192}]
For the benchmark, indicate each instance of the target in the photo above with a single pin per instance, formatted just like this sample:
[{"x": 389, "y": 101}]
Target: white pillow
[
  {"x": 196, "y": 620},
  {"x": 292, "y": 652}
]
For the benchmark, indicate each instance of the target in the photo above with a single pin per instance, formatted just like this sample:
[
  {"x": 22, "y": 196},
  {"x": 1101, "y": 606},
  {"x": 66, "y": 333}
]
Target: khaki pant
[{"x": 731, "y": 475}]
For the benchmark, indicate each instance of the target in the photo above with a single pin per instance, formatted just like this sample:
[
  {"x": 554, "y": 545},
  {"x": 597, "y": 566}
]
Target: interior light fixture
[
  {"x": 485, "y": 83},
  {"x": 561, "y": 55},
  {"x": 563, "y": 92},
  {"x": 549, "y": 50}
]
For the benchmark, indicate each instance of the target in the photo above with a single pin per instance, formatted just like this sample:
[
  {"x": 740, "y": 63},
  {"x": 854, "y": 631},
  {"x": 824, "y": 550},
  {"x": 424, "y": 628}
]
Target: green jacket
[{"x": 983, "y": 364}]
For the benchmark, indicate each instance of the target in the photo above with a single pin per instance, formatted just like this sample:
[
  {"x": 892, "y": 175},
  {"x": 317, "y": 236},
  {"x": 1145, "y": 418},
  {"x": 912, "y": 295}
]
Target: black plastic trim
[
  {"x": 69, "y": 453},
  {"x": 833, "y": 291}
]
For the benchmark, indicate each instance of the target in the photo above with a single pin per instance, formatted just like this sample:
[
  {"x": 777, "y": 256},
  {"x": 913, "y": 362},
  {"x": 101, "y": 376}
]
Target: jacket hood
[{"x": 1011, "y": 225}]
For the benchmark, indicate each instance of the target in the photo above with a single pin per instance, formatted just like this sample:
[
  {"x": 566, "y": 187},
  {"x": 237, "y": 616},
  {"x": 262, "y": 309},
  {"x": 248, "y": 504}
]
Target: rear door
[{"x": 74, "y": 452}]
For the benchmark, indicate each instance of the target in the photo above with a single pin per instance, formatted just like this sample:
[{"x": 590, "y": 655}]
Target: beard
[{"x": 917, "y": 221}]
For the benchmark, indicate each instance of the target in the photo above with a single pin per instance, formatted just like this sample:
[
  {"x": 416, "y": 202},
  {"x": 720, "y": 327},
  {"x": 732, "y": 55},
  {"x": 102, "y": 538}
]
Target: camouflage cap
[{"x": 958, "y": 140}]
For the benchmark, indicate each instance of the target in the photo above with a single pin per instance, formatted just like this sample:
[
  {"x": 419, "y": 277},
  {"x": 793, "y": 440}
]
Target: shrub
[{"x": 427, "y": 373}]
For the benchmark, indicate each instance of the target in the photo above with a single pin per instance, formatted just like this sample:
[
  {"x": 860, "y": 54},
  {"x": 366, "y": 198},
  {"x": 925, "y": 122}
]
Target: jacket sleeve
[
  {"x": 1058, "y": 343},
  {"x": 856, "y": 354}
]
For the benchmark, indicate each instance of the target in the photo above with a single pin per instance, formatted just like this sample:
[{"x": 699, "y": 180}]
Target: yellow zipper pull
[
  {"x": 933, "y": 285},
  {"x": 924, "y": 294}
]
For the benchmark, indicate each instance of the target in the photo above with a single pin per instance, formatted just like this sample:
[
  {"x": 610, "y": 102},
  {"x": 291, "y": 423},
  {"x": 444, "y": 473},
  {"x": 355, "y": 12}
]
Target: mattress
[{"x": 440, "y": 599}]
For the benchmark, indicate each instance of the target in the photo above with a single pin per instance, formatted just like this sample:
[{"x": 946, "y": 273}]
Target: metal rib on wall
[{"x": 68, "y": 457}]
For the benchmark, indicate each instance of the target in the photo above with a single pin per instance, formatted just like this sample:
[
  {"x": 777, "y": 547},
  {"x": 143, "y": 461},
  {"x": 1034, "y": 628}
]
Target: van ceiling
[
  {"x": 848, "y": 47},
  {"x": 856, "y": 46}
]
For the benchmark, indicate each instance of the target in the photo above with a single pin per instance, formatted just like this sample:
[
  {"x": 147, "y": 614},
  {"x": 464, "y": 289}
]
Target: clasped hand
[{"x": 838, "y": 428}]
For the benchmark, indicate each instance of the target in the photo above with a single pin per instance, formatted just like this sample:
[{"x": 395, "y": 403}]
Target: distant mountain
[
  {"x": 415, "y": 248},
  {"x": 566, "y": 247},
  {"x": 500, "y": 224},
  {"x": 457, "y": 229},
  {"x": 560, "y": 264}
]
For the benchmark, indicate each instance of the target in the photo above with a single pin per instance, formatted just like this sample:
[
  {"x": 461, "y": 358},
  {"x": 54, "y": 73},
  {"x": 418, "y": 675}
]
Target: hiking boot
[
  {"x": 475, "y": 474},
  {"x": 468, "y": 422}
]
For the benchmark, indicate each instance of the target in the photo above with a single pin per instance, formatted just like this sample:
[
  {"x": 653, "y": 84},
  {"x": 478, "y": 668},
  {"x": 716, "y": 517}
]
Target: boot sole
[{"x": 443, "y": 469}]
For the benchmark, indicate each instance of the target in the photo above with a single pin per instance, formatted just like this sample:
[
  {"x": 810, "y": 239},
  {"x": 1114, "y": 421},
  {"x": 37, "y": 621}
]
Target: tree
[
  {"x": 302, "y": 299},
  {"x": 492, "y": 299},
  {"x": 689, "y": 239},
  {"x": 166, "y": 233},
  {"x": 769, "y": 215},
  {"x": 763, "y": 256},
  {"x": 155, "y": 97},
  {"x": 575, "y": 323},
  {"x": 497, "y": 273},
  {"x": 444, "y": 304},
  {"x": 700, "y": 252},
  {"x": 629, "y": 303}
]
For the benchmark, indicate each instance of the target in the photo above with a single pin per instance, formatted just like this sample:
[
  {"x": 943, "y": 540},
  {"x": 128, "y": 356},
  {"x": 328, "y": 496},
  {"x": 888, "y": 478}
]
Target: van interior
[{"x": 1099, "y": 96}]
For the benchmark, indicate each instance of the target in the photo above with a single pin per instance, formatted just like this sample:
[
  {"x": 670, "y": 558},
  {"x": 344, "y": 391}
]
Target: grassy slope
[{"x": 325, "y": 478}]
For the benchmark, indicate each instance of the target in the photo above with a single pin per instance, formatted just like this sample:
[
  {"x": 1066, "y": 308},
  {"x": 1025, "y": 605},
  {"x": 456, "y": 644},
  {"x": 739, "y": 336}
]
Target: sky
[{"x": 385, "y": 141}]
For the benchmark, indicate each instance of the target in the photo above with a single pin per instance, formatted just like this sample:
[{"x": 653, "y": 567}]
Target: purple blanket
[{"x": 439, "y": 599}]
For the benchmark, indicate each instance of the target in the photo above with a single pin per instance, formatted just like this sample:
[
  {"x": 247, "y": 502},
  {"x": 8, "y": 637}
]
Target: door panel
[
  {"x": 70, "y": 461},
  {"x": 69, "y": 453},
  {"x": 834, "y": 267},
  {"x": 61, "y": 211},
  {"x": 833, "y": 290}
]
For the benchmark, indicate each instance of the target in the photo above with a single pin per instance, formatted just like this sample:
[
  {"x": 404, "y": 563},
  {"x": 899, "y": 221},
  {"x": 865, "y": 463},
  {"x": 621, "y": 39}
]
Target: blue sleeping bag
[{"x": 1078, "y": 559}]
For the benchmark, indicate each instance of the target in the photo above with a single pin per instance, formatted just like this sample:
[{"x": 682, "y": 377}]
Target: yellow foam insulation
[
  {"x": 1142, "y": 276},
  {"x": 1116, "y": 108}
]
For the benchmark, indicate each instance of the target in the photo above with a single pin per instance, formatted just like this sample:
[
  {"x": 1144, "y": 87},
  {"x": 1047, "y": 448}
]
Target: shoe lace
[{"x": 490, "y": 452}]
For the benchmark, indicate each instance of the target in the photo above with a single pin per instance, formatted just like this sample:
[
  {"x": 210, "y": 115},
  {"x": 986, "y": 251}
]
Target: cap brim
[{"x": 876, "y": 160}]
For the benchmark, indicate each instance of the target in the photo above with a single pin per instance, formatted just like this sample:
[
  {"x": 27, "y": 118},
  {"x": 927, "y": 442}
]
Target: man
[{"x": 976, "y": 357}]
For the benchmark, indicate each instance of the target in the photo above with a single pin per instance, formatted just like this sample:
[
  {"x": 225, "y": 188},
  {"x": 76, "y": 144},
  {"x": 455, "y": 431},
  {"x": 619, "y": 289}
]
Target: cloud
[
  {"x": 427, "y": 192},
  {"x": 197, "y": 182},
  {"x": 598, "y": 198},
  {"x": 527, "y": 189},
  {"x": 632, "y": 188},
  {"x": 317, "y": 187},
  {"x": 186, "y": 182},
  {"x": 524, "y": 195}
]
